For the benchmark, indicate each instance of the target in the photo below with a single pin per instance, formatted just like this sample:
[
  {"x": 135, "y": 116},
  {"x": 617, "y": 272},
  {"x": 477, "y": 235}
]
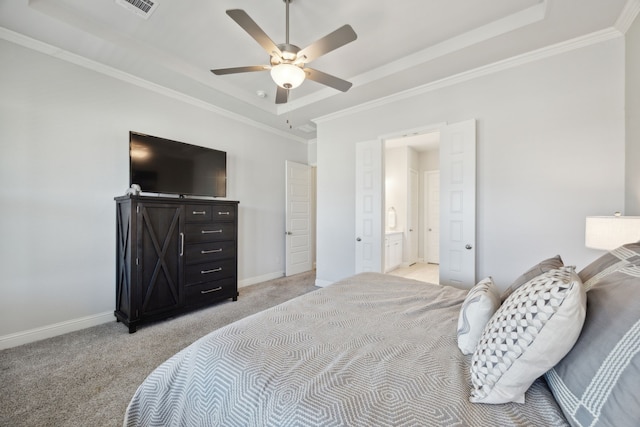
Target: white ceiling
[{"x": 400, "y": 45}]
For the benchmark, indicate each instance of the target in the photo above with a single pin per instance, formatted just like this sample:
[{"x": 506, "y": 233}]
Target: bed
[{"x": 370, "y": 350}]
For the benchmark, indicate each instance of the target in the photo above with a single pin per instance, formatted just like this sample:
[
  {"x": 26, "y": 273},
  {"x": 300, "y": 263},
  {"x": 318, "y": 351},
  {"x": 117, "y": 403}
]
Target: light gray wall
[
  {"x": 550, "y": 151},
  {"x": 632, "y": 202},
  {"x": 64, "y": 156},
  {"x": 430, "y": 160},
  {"x": 397, "y": 164},
  {"x": 396, "y": 172}
]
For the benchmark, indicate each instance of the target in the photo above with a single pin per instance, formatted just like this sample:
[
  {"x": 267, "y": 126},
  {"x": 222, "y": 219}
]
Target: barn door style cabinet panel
[{"x": 173, "y": 255}]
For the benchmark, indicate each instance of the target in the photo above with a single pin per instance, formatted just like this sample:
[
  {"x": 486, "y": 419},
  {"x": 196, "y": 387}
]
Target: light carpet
[{"x": 86, "y": 378}]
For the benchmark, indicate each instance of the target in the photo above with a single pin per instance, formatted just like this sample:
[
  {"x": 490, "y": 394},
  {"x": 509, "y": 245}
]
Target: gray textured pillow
[
  {"x": 536, "y": 270},
  {"x": 598, "y": 381},
  {"x": 608, "y": 263}
]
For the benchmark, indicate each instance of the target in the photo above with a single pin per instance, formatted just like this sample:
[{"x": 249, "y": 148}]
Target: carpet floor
[{"x": 86, "y": 378}]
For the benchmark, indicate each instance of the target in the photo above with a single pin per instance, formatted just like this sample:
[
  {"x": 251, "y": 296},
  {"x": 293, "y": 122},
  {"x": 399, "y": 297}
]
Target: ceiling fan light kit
[
  {"x": 287, "y": 76},
  {"x": 287, "y": 61}
]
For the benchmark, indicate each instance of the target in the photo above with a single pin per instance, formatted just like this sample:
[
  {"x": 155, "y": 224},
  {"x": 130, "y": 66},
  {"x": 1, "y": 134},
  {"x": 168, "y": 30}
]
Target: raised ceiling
[{"x": 400, "y": 45}]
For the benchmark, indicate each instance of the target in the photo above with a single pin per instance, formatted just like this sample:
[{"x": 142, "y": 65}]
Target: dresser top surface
[{"x": 184, "y": 200}]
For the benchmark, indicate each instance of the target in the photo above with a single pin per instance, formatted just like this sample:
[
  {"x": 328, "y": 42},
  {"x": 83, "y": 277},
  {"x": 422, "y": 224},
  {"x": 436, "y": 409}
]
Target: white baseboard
[
  {"x": 49, "y": 331},
  {"x": 258, "y": 279},
  {"x": 323, "y": 283}
]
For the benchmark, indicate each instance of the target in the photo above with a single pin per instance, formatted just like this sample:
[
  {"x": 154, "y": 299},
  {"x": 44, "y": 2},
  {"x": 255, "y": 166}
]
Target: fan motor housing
[{"x": 289, "y": 53}]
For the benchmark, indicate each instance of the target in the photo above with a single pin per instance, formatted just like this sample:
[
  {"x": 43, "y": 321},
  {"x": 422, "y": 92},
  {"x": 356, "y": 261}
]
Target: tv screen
[{"x": 160, "y": 165}]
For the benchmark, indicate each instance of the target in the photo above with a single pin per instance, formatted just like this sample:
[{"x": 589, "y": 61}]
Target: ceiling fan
[{"x": 287, "y": 61}]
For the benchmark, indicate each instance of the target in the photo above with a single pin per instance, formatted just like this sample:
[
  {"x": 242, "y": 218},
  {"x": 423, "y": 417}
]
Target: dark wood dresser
[{"x": 173, "y": 255}]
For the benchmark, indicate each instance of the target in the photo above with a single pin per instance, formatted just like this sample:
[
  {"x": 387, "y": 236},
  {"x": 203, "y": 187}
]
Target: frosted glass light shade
[
  {"x": 610, "y": 232},
  {"x": 287, "y": 76}
]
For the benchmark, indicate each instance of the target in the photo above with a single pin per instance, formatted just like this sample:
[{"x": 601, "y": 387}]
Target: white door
[
  {"x": 458, "y": 204},
  {"x": 432, "y": 222},
  {"x": 368, "y": 194},
  {"x": 298, "y": 218},
  {"x": 414, "y": 216}
]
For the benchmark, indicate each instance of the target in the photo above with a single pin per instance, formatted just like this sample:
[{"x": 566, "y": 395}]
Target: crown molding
[
  {"x": 89, "y": 64},
  {"x": 627, "y": 16},
  {"x": 536, "y": 55},
  {"x": 488, "y": 31}
]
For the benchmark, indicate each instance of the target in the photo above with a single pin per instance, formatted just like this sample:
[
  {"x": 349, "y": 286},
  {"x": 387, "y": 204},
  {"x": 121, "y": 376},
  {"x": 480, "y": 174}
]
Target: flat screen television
[{"x": 161, "y": 165}]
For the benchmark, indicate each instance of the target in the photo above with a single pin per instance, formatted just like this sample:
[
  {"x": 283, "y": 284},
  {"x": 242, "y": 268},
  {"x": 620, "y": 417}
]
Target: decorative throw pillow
[
  {"x": 536, "y": 270},
  {"x": 479, "y": 305},
  {"x": 596, "y": 384},
  {"x": 532, "y": 330}
]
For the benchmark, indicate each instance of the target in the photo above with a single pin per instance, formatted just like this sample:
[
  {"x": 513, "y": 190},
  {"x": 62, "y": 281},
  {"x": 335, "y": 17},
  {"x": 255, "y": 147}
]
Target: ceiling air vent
[{"x": 142, "y": 8}]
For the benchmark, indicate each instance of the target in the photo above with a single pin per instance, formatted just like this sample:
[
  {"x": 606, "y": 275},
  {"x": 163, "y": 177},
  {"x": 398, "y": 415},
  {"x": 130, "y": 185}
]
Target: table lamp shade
[{"x": 610, "y": 232}]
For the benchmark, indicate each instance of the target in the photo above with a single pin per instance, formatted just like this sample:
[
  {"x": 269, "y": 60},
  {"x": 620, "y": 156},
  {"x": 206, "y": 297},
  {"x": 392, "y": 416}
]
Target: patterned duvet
[{"x": 371, "y": 350}]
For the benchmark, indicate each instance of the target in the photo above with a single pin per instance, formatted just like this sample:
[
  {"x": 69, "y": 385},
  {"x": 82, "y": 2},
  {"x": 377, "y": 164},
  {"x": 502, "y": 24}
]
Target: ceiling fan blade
[
  {"x": 326, "y": 44},
  {"x": 327, "y": 79},
  {"x": 249, "y": 25},
  {"x": 282, "y": 95},
  {"x": 234, "y": 70}
]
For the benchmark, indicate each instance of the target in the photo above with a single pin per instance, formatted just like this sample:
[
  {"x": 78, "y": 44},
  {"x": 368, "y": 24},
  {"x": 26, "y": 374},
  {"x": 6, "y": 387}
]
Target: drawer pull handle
[
  {"x": 215, "y": 270},
  {"x": 211, "y": 231},
  {"x": 219, "y": 288},
  {"x": 199, "y": 212},
  {"x": 210, "y": 251},
  {"x": 223, "y": 213}
]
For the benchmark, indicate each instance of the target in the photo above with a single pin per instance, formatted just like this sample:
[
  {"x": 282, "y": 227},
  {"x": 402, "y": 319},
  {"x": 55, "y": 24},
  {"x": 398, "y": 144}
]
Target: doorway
[
  {"x": 457, "y": 257},
  {"x": 407, "y": 159}
]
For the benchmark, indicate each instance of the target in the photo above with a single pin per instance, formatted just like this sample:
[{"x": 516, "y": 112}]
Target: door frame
[{"x": 423, "y": 129}]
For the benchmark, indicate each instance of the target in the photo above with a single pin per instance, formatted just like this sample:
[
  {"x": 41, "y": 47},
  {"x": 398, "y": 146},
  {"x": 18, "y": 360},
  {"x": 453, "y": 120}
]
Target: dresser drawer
[
  {"x": 220, "y": 213},
  {"x": 198, "y": 213},
  {"x": 209, "y": 271},
  {"x": 204, "y": 293},
  {"x": 205, "y": 213},
  {"x": 210, "y": 251},
  {"x": 197, "y": 233}
]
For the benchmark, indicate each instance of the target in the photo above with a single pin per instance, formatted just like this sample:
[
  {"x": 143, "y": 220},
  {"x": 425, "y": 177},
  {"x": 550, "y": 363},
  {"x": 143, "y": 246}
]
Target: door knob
[
  {"x": 468, "y": 247},
  {"x": 358, "y": 239},
  {"x": 288, "y": 233}
]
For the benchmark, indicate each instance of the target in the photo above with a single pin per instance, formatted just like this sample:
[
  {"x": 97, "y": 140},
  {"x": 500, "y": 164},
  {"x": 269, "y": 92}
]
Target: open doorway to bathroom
[{"x": 412, "y": 206}]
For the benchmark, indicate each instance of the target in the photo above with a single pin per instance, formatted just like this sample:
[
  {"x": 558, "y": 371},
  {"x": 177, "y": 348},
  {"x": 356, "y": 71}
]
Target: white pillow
[
  {"x": 534, "y": 329},
  {"x": 479, "y": 305}
]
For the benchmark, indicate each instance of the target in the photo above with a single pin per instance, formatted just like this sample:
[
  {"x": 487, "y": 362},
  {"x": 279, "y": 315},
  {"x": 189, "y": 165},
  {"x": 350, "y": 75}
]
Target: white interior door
[
  {"x": 432, "y": 222},
  {"x": 298, "y": 218},
  {"x": 458, "y": 204},
  {"x": 414, "y": 216},
  {"x": 368, "y": 194}
]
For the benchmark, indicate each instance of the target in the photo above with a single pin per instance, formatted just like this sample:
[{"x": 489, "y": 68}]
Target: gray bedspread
[{"x": 371, "y": 350}]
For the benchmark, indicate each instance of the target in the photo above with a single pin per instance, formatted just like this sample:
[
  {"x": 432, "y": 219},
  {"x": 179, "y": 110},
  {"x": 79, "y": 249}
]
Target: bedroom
[
  {"x": 558, "y": 136},
  {"x": 63, "y": 162}
]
